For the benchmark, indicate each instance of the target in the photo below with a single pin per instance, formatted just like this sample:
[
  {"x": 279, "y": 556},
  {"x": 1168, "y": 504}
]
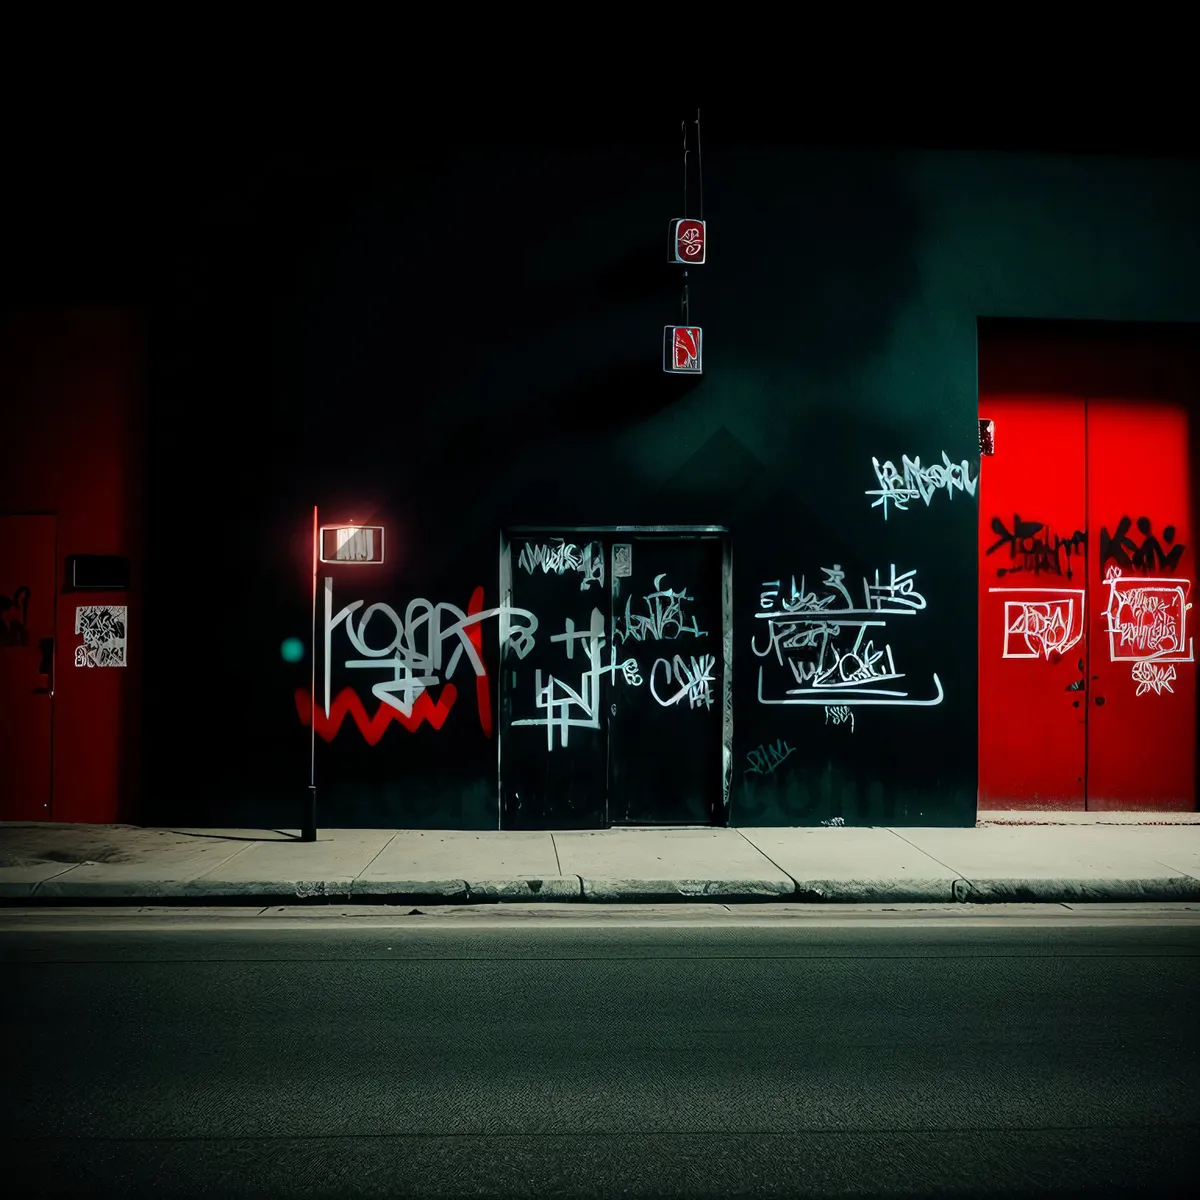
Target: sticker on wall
[
  {"x": 622, "y": 560},
  {"x": 689, "y": 240},
  {"x": 682, "y": 350},
  {"x": 102, "y": 627},
  {"x": 987, "y": 437}
]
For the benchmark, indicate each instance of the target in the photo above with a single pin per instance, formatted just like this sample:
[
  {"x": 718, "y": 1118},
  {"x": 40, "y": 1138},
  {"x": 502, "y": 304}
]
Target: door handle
[{"x": 46, "y": 666}]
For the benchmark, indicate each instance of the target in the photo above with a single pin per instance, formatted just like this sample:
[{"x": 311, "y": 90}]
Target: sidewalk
[{"x": 1064, "y": 858}]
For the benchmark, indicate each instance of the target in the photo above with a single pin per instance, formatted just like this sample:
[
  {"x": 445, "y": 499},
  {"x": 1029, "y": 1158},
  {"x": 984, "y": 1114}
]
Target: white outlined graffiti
[
  {"x": 1152, "y": 676},
  {"x": 694, "y": 675},
  {"x": 414, "y": 651},
  {"x": 839, "y": 714},
  {"x": 663, "y": 621},
  {"x": 561, "y": 557},
  {"x": 805, "y": 620},
  {"x": 912, "y": 481},
  {"x": 1146, "y": 622},
  {"x": 1041, "y": 622},
  {"x": 1146, "y": 619},
  {"x": 570, "y": 708},
  {"x": 103, "y": 628}
]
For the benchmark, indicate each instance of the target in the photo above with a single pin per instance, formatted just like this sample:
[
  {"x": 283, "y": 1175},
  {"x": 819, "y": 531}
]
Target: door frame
[{"x": 666, "y": 531}]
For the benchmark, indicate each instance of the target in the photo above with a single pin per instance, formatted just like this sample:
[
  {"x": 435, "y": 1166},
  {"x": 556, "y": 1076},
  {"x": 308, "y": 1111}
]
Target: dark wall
[{"x": 462, "y": 342}]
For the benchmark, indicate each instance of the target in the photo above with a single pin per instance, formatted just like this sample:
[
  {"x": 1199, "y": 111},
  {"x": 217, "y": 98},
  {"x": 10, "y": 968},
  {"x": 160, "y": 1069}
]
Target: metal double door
[
  {"x": 1087, "y": 677},
  {"x": 613, "y": 680}
]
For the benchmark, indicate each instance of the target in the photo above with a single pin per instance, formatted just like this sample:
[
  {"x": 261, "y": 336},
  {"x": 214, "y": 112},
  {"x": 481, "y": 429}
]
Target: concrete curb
[
  {"x": 63, "y": 892},
  {"x": 660, "y": 890},
  {"x": 1168, "y": 889}
]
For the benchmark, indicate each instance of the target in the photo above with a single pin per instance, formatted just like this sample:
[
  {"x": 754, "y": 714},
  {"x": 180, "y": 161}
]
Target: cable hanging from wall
[{"x": 683, "y": 343}]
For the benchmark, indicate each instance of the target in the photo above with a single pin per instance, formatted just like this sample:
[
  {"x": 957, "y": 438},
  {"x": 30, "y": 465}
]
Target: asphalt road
[{"x": 422, "y": 1056}]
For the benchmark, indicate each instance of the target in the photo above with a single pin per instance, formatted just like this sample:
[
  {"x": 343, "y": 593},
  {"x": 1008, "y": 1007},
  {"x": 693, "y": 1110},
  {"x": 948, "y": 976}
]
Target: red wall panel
[
  {"x": 1096, "y": 430},
  {"x": 1032, "y": 720},
  {"x": 73, "y": 381},
  {"x": 1142, "y": 716}
]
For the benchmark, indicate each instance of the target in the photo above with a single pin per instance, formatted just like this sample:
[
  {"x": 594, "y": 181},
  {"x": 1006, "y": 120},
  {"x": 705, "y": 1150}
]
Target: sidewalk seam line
[
  {"x": 1173, "y": 867},
  {"x": 757, "y": 850},
  {"x": 378, "y": 852},
  {"x": 224, "y": 862},
  {"x": 558, "y": 863},
  {"x": 956, "y": 872}
]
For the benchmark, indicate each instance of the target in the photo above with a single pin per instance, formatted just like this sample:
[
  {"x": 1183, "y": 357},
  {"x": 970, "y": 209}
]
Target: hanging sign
[
  {"x": 351, "y": 543},
  {"x": 689, "y": 240},
  {"x": 682, "y": 348}
]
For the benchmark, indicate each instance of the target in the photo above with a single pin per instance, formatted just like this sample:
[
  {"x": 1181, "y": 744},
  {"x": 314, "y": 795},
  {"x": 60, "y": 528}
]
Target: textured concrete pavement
[{"x": 995, "y": 861}]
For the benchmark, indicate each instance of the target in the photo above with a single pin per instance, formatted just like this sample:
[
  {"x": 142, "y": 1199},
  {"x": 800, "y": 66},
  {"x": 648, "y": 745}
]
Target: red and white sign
[
  {"x": 682, "y": 350},
  {"x": 689, "y": 240},
  {"x": 351, "y": 543}
]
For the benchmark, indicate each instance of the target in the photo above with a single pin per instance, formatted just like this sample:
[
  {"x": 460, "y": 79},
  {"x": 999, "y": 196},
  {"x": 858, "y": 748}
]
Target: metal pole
[{"x": 309, "y": 832}]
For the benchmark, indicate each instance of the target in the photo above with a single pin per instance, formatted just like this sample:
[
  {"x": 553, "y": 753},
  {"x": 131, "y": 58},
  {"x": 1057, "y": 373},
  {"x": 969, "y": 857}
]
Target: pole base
[{"x": 309, "y": 831}]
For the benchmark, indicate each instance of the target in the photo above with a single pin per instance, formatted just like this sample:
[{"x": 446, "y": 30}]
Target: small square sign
[
  {"x": 689, "y": 240},
  {"x": 682, "y": 350}
]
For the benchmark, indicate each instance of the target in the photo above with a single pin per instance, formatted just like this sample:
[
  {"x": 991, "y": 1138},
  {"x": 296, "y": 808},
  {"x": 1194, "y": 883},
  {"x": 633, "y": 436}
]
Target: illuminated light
[
  {"x": 360, "y": 544},
  {"x": 292, "y": 650}
]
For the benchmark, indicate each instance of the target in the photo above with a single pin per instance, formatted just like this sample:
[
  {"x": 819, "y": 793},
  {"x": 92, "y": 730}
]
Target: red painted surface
[
  {"x": 1032, "y": 725},
  {"x": 26, "y": 702},
  {"x": 347, "y": 704},
  {"x": 72, "y": 385},
  {"x": 1094, "y": 438},
  {"x": 1142, "y": 715},
  {"x": 685, "y": 349},
  {"x": 689, "y": 240},
  {"x": 483, "y": 691}
]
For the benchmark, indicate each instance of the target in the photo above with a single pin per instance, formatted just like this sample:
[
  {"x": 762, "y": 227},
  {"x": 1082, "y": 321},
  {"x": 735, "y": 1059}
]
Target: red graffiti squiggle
[
  {"x": 346, "y": 703},
  {"x": 483, "y": 691}
]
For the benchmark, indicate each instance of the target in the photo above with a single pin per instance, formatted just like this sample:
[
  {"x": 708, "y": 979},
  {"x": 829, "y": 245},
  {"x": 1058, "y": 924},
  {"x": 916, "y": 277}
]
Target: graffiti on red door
[
  {"x": 1149, "y": 554},
  {"x": 1033, "y": 548},
  {"x": 422, "y": 653},
  {"x": 1146, "y": 620}
]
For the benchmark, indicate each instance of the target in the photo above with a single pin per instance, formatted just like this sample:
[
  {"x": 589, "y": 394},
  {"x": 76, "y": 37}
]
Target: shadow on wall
[{"x": 811, "y": 260}]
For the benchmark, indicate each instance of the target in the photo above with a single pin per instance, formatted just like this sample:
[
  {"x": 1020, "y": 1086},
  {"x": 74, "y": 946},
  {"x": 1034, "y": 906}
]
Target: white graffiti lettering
[
  {"x": 839, "y": 714},
  {"x": 1147, "y": 619},
  {"x": 1151, "y": 676},
  {"x": 664, "y": 620},
  {"x": 565, "y": 556},
  {"x": 814, "y": 620},
  {"x": 1041, "y": 622},
  {"x": 413, "y": 649},
  {"x": 1147, "y": 625},
  {"x": 695, "y": 676},
  {"x": 570, "y": 708},
  {"x": 911, "y": 481}
]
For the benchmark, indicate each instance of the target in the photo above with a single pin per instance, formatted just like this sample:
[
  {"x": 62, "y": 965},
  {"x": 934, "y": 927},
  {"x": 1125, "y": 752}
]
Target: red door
[
  {"x": 1142, "y": 704},
  {"x": 1086, "y": 567},
  {"x": 1032, "y": 584},
  {"x": 27, "y": 603}
]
